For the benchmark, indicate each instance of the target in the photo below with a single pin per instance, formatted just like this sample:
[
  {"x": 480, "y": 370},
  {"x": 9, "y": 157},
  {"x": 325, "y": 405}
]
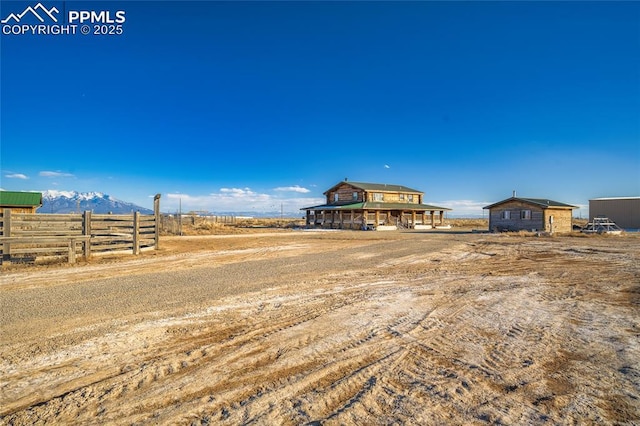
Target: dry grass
[
  {"x": 469, "y": 223},
  {"x": 209, "y": 226}
]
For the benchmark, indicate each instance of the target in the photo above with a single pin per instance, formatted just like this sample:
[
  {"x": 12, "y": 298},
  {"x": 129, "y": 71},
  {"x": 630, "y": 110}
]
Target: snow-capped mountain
[{"x": 77, "y": 202}]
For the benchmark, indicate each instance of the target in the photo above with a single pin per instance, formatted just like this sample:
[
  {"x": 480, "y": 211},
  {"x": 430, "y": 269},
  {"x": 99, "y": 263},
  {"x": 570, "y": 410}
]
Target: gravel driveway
[{"x": 332, "y": 328}]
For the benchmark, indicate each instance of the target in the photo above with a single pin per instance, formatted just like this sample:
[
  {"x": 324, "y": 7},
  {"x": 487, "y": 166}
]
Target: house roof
[
  {"x": 20, "y": 199},
  {"x": 379, "y": 187},
  {"x": 376, "y": 206},
  {"x": 539, "y": 202}
]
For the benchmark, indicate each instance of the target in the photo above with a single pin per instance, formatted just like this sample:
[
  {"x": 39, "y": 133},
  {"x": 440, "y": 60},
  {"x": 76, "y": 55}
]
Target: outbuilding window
[
  {"x": 525, "y": 214},
  {"x": 506, "y": 215},
  {"x": 355, "y": 196}
]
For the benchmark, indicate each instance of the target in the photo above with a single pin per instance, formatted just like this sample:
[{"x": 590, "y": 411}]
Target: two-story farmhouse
[
  {"x": 358, "y": 205},
  {"x": 530, "y": 214}
]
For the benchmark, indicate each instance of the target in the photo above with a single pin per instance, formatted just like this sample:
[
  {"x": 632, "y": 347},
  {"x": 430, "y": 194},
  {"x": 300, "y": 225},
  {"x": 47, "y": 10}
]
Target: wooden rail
[{"x": 71, "y": 241}]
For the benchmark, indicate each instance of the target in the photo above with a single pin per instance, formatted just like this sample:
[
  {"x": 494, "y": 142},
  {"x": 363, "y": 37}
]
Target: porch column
[
  {"x": 365, "y": 214},
  {"x": 433, "y": 219},
  {"x": 441, "y": 217},
  {"x": 413, "y": 219},
  {"x": 377, "y": 217},
  {"x": 308, "y": 220},
  {"x": 424, "y": 217}
]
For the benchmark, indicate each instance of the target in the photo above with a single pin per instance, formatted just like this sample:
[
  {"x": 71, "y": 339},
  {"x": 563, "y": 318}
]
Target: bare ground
[{"x": 329, "y": 328}]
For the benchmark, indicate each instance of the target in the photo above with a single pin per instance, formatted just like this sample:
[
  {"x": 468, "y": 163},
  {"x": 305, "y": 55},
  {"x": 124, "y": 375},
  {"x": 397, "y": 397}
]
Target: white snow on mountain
[
  {"x": 75, "y": 195},
  {"x": 54, "y": 201}
]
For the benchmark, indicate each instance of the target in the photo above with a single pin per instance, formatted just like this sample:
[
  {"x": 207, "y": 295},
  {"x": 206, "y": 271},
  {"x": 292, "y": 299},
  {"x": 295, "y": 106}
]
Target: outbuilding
[
  {"x": 20, "y": 202},
  {"x": 624, "y": 211},
  {"x": 530, "y": 214}
]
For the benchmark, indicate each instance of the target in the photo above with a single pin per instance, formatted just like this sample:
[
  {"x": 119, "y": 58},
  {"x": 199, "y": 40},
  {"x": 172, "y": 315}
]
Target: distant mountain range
[{"x": 77, "y": 202}]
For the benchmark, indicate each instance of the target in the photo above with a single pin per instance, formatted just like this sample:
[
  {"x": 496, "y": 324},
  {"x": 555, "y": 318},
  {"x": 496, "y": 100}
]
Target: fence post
[
  {"x": 156, "y": 213},
  {"x": 136, "y": 233},
  {"x": 86, "y": 230},
  {"x": 6, "y": 232},
  {"x": 72, "y": 250}
]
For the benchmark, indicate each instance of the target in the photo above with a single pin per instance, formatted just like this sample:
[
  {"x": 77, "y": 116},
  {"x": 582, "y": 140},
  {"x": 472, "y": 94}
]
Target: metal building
[{"x": 624, "y": 211}]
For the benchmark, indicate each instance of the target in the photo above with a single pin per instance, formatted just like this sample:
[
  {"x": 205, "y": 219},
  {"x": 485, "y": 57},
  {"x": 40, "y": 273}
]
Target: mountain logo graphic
[{"x": 38, "y": 11}]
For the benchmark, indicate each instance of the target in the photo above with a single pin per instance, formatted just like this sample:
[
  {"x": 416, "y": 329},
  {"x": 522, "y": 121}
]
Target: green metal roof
[
  {"x": 402, "y": 206},
  {"x": 376, "y": 206},
  {"x": 20, "y": 199},
  {"x": 541, "y": 202},
  {"x": 380, "y": 187}
]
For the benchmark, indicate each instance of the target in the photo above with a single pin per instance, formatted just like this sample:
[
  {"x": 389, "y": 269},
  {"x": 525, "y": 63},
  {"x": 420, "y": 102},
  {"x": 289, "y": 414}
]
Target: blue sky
[{"x": 254, "y": 106}]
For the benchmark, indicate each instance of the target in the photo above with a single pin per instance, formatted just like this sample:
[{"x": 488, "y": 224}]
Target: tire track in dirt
[
  {"x": 186, "y": 351},
  {"x": 476, "y": 341}
]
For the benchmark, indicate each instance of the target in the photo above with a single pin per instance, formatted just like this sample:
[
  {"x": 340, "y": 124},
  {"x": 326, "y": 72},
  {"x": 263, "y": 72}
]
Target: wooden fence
[{"x": 25, "y": 237}]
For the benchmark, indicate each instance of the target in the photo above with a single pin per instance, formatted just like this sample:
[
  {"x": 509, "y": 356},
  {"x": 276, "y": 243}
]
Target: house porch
[{"x": 366, "y": 219}]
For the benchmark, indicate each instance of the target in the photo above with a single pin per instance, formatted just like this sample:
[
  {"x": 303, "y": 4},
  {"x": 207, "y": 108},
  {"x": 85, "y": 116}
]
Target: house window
[
  {"x": 377, "y": 196},
  {"x": 336, "y": 197},
  {"x": 506, "y": 215},
  {"x": 410, "y": 197},
  {"x": 355, "y": 196},
  {"x": 401, "y": 197},
  {"x": 525, "y": 214}
]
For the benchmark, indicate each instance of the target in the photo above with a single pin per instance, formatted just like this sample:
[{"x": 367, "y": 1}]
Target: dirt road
[{"x": 329, "y": 328}]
